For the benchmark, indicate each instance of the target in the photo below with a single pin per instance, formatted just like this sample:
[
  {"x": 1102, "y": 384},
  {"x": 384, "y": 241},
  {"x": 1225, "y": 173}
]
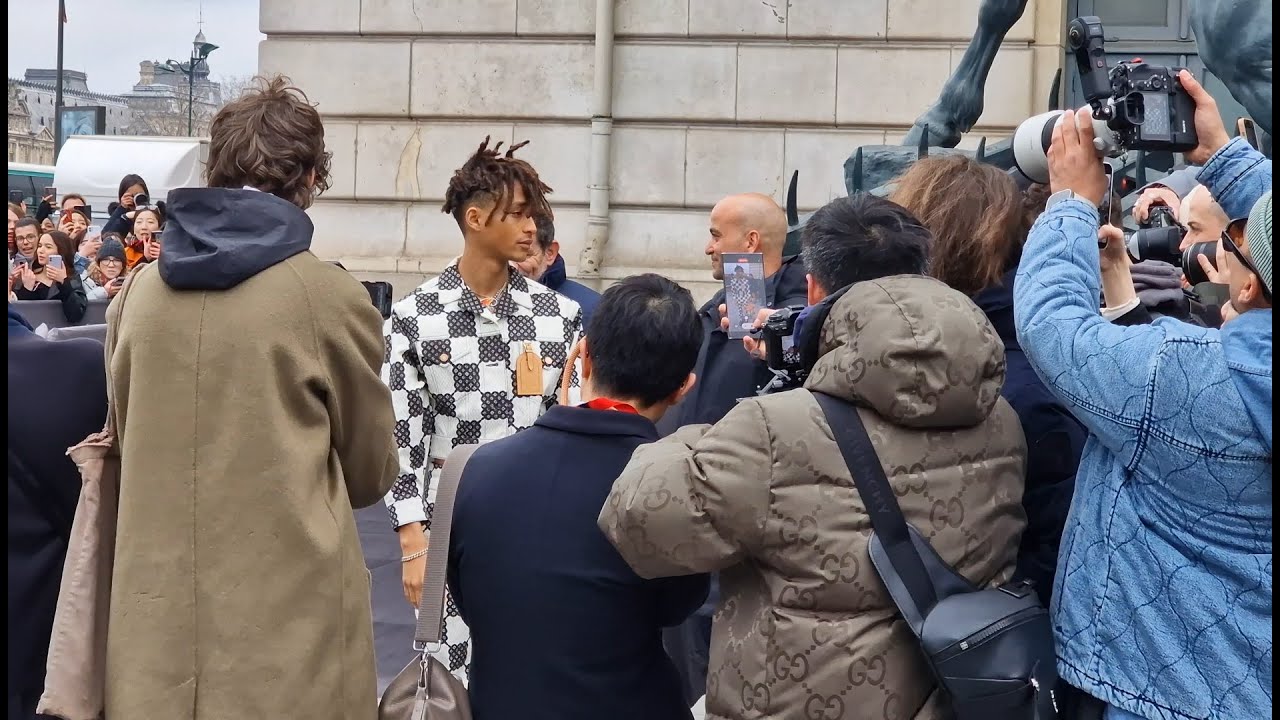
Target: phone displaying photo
[{"x": 744, "y": 290}]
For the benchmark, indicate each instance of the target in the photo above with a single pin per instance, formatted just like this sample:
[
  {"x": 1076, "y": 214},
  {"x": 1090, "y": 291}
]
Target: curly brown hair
[
  {"x": 491, "y": 176},
  {"x": 270, "y": 138},
  {"x": 975, "y": 213}
]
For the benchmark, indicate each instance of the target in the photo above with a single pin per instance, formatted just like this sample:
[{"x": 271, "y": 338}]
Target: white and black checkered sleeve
[{"x": 415, "y": 421}]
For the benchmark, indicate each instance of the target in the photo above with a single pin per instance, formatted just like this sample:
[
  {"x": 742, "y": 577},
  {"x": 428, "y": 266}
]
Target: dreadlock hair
[{"x": 492, "y": 176}]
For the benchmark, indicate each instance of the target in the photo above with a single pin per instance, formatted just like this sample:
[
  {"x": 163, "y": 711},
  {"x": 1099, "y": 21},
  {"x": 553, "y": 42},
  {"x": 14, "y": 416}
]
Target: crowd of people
[
  {"x": 641, "y": 527},
  {"x": 60, "y": 254}
]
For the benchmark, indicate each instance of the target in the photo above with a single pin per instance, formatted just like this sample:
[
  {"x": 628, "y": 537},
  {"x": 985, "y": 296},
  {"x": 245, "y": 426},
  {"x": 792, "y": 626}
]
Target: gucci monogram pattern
[{"x": 806, "y": 630}]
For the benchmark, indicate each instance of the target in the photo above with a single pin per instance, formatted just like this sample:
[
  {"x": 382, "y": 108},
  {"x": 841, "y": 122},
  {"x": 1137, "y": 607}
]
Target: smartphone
[
  {"x": 1249, "y": 131},
  {"x": 1104, "y": 210},
  {"x": 16, "y": 197},
  {"x": 744, "y": 290},
  {"x": 51, "y": 192},
  {"x": 55, "y": 261},
  {"x": 156, "y": 236}
]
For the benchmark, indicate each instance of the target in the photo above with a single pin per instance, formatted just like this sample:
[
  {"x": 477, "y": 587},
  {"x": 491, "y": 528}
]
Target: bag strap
[
  {"x": 431, "y": 605},
  {"x": 877, "y": 495}
]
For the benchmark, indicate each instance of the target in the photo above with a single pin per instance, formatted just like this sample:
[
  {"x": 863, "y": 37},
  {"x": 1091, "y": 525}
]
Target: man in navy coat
[
  {"x": 57, "y": 397},
  {"x": 561, "y": 627}
]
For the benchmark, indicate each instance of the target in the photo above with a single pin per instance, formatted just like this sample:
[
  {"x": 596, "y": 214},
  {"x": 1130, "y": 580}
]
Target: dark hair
[
  {"x": 77, "y": 196},
  {"x": 66, "y": 248},
  {"x": 546, "y": 231},
  {"x": 491, "y": 176},
  {"x": 1034, "y": 198},
  {"x": 636, "y": 318},
  {"x": 27, "y": 222},
  {"x": 863, "y": 237},
  {"x": 974, "y": 212},
  {"x": 270, "y": 138},
  {"x": 129, "y": 181}
]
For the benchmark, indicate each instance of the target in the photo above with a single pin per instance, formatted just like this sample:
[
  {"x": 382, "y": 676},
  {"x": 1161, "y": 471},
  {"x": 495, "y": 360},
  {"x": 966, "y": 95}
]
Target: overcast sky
[{"x": 108, "y": 38}]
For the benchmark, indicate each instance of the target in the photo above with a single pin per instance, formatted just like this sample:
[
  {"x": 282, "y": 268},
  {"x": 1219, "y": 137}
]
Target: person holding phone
[
  {"x": 145, "y": 244},
  {"x": 106, "y": 275},
  {"x": 50, "y": 276}
]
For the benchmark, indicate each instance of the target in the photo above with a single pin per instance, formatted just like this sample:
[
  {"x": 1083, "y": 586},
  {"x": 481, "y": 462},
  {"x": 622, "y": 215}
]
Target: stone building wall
[{"x": 710, "y": 97}]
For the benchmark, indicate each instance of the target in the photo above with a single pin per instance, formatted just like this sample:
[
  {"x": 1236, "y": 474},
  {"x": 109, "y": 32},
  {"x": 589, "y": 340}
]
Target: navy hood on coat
[{"x": 216, "y": 238}]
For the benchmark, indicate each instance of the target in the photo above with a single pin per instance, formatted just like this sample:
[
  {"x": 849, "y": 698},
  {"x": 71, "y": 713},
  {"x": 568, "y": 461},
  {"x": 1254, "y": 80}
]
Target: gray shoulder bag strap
[{"x": 431, "y": 606}]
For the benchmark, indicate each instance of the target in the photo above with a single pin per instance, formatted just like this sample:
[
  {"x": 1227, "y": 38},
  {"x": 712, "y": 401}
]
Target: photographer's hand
[
  {"x": 1158, "y": 195},
  {"x": 1209, "y": 128},
  {"x": 1073, "y": 162}
]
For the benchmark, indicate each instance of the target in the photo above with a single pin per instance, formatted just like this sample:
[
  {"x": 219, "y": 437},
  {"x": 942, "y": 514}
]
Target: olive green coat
[{"x": 251, "y": 421}]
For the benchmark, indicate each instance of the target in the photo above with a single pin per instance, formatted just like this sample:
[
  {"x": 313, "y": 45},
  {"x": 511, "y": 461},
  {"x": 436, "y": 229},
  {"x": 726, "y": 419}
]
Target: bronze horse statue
[{"x": 1233, "y": 36}]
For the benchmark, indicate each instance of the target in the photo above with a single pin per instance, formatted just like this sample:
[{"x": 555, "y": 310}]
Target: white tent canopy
[{"x": 92, "y": 165}]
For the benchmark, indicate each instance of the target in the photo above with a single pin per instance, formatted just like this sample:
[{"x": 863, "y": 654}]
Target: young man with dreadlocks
[{"x": 474, "y": 354}]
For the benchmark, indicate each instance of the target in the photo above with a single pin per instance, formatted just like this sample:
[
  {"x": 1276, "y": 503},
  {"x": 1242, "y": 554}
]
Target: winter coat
[
  {"x": 1164, "y": 600},
  {"x": 251, "y": 421},
  {"x": 805, "y": 628}
]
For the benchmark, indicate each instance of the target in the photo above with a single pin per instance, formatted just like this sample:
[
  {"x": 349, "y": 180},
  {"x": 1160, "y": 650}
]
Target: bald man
[
  {"x": 1203, "y": 217},
  {"x": 745, "y": 223}
]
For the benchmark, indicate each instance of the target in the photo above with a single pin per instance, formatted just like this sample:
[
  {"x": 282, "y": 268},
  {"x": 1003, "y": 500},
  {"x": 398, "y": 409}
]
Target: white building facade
[
  {"x": 709, "y": 97},
  {"x": 38, "y": 90}
]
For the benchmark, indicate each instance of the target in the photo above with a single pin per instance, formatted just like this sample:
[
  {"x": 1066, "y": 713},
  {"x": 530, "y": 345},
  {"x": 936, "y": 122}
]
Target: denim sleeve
[
  {"x": 1236, "y": 175},
  {"x": 1099, "y": 370}
]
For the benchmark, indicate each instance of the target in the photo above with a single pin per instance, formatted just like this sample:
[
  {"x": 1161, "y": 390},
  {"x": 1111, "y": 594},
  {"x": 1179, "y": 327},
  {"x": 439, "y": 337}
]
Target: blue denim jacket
[{"x": 1163, "y": 599}]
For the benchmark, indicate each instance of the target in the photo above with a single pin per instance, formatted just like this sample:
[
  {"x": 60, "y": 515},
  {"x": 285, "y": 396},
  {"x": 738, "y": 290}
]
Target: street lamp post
[{"x": 200, "y": 51}]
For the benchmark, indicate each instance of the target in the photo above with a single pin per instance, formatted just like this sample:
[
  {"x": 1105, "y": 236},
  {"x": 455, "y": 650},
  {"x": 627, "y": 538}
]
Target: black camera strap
[{"x": 877, "y": 495}]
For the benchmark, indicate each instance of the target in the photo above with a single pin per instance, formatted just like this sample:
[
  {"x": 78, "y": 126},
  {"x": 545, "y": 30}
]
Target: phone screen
[
  {"x": 51, "y": 192},
  {"x": 744, "y": 290}
]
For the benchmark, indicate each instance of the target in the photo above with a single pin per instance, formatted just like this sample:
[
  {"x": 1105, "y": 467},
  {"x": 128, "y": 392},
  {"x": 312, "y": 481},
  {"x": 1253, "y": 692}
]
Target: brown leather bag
[
  {"x": 425, "y": 689},
  {"x": 75, "y": 673}
]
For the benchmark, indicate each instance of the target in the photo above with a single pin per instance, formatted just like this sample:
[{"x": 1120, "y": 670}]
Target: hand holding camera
[
  {"x": 1074, "y": 163},
  {"x": 1154, "y": 197},
  {"x": 1210, "y": 131}
]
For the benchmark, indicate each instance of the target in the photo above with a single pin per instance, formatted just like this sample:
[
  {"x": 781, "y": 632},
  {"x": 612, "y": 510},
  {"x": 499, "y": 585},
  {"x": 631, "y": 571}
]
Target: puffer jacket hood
[
  {"x": 216, "y": 238},
  {"x": 919, "y": 353}
]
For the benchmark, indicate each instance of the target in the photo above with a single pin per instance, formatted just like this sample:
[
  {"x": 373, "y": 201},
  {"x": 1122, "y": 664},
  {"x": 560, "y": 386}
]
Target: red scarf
[{"x": 607, "y": 404}]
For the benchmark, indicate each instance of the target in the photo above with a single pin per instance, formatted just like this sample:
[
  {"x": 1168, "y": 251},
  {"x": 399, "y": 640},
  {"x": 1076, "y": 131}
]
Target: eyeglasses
[{"x": 1234, "y": 232}]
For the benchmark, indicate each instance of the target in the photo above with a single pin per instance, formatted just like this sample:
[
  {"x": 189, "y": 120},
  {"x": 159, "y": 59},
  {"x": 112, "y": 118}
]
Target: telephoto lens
[
  {"x": 1191, "y": 269},
  {"x": 1157, "y": 243}
]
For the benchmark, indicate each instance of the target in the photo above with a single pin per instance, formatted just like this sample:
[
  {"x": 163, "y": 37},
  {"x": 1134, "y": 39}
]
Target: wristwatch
[{"x": 1061, "y": 195}]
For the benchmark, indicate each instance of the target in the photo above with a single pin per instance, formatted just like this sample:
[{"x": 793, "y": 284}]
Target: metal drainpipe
[{"x": 601, "y": 137}]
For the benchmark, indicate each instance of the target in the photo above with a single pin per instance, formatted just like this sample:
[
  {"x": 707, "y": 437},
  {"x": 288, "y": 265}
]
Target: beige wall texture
[{"x": 710, "y": 97}]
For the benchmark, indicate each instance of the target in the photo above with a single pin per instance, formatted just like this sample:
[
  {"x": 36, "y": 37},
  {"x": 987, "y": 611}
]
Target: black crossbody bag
[{"x": 990, "y": 649}]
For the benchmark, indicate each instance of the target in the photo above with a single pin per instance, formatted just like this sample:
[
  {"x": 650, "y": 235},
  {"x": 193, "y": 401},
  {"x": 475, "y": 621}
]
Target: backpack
[{"x": 991, "y": 650}]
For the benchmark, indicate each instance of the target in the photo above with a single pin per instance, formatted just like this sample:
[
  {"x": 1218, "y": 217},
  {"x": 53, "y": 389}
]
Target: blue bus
[{"x": 30, "y": 180}]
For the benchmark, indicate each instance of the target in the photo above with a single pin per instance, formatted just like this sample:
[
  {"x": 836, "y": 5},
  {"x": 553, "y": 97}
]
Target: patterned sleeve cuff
[{"x": 407, "y": 512}]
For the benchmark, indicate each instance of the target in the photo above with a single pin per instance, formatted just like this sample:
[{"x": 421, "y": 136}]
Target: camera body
[
  {"x": 1144, "y": 105},
  {"x": 781, "y": 354},
  {"x": 1160, "y": 236}
]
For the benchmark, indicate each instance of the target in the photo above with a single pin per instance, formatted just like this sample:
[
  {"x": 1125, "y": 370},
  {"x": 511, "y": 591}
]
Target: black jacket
[
  {"x": 1055, "y": 440},
  {"x": 556, "y": 277},
  {"x": 70, "y": 292},
  {"x": 726, "y": 373},
  {"x": 561, "y": 627},
  {"x": 57, "y": 397}
]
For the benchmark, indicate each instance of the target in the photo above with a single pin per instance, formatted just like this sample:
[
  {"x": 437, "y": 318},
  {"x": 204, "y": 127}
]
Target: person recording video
[
  {"x": 765, "y": 497},
  {"x": 1172, "y": 515}
]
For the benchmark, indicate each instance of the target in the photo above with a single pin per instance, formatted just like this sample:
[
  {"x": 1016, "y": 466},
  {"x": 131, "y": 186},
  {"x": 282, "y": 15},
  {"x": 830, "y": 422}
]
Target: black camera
[
  {"x": 781, "y": 354},
  {"x": 1144, "y": 105},
  {"x": 1160, "y": 236}
]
